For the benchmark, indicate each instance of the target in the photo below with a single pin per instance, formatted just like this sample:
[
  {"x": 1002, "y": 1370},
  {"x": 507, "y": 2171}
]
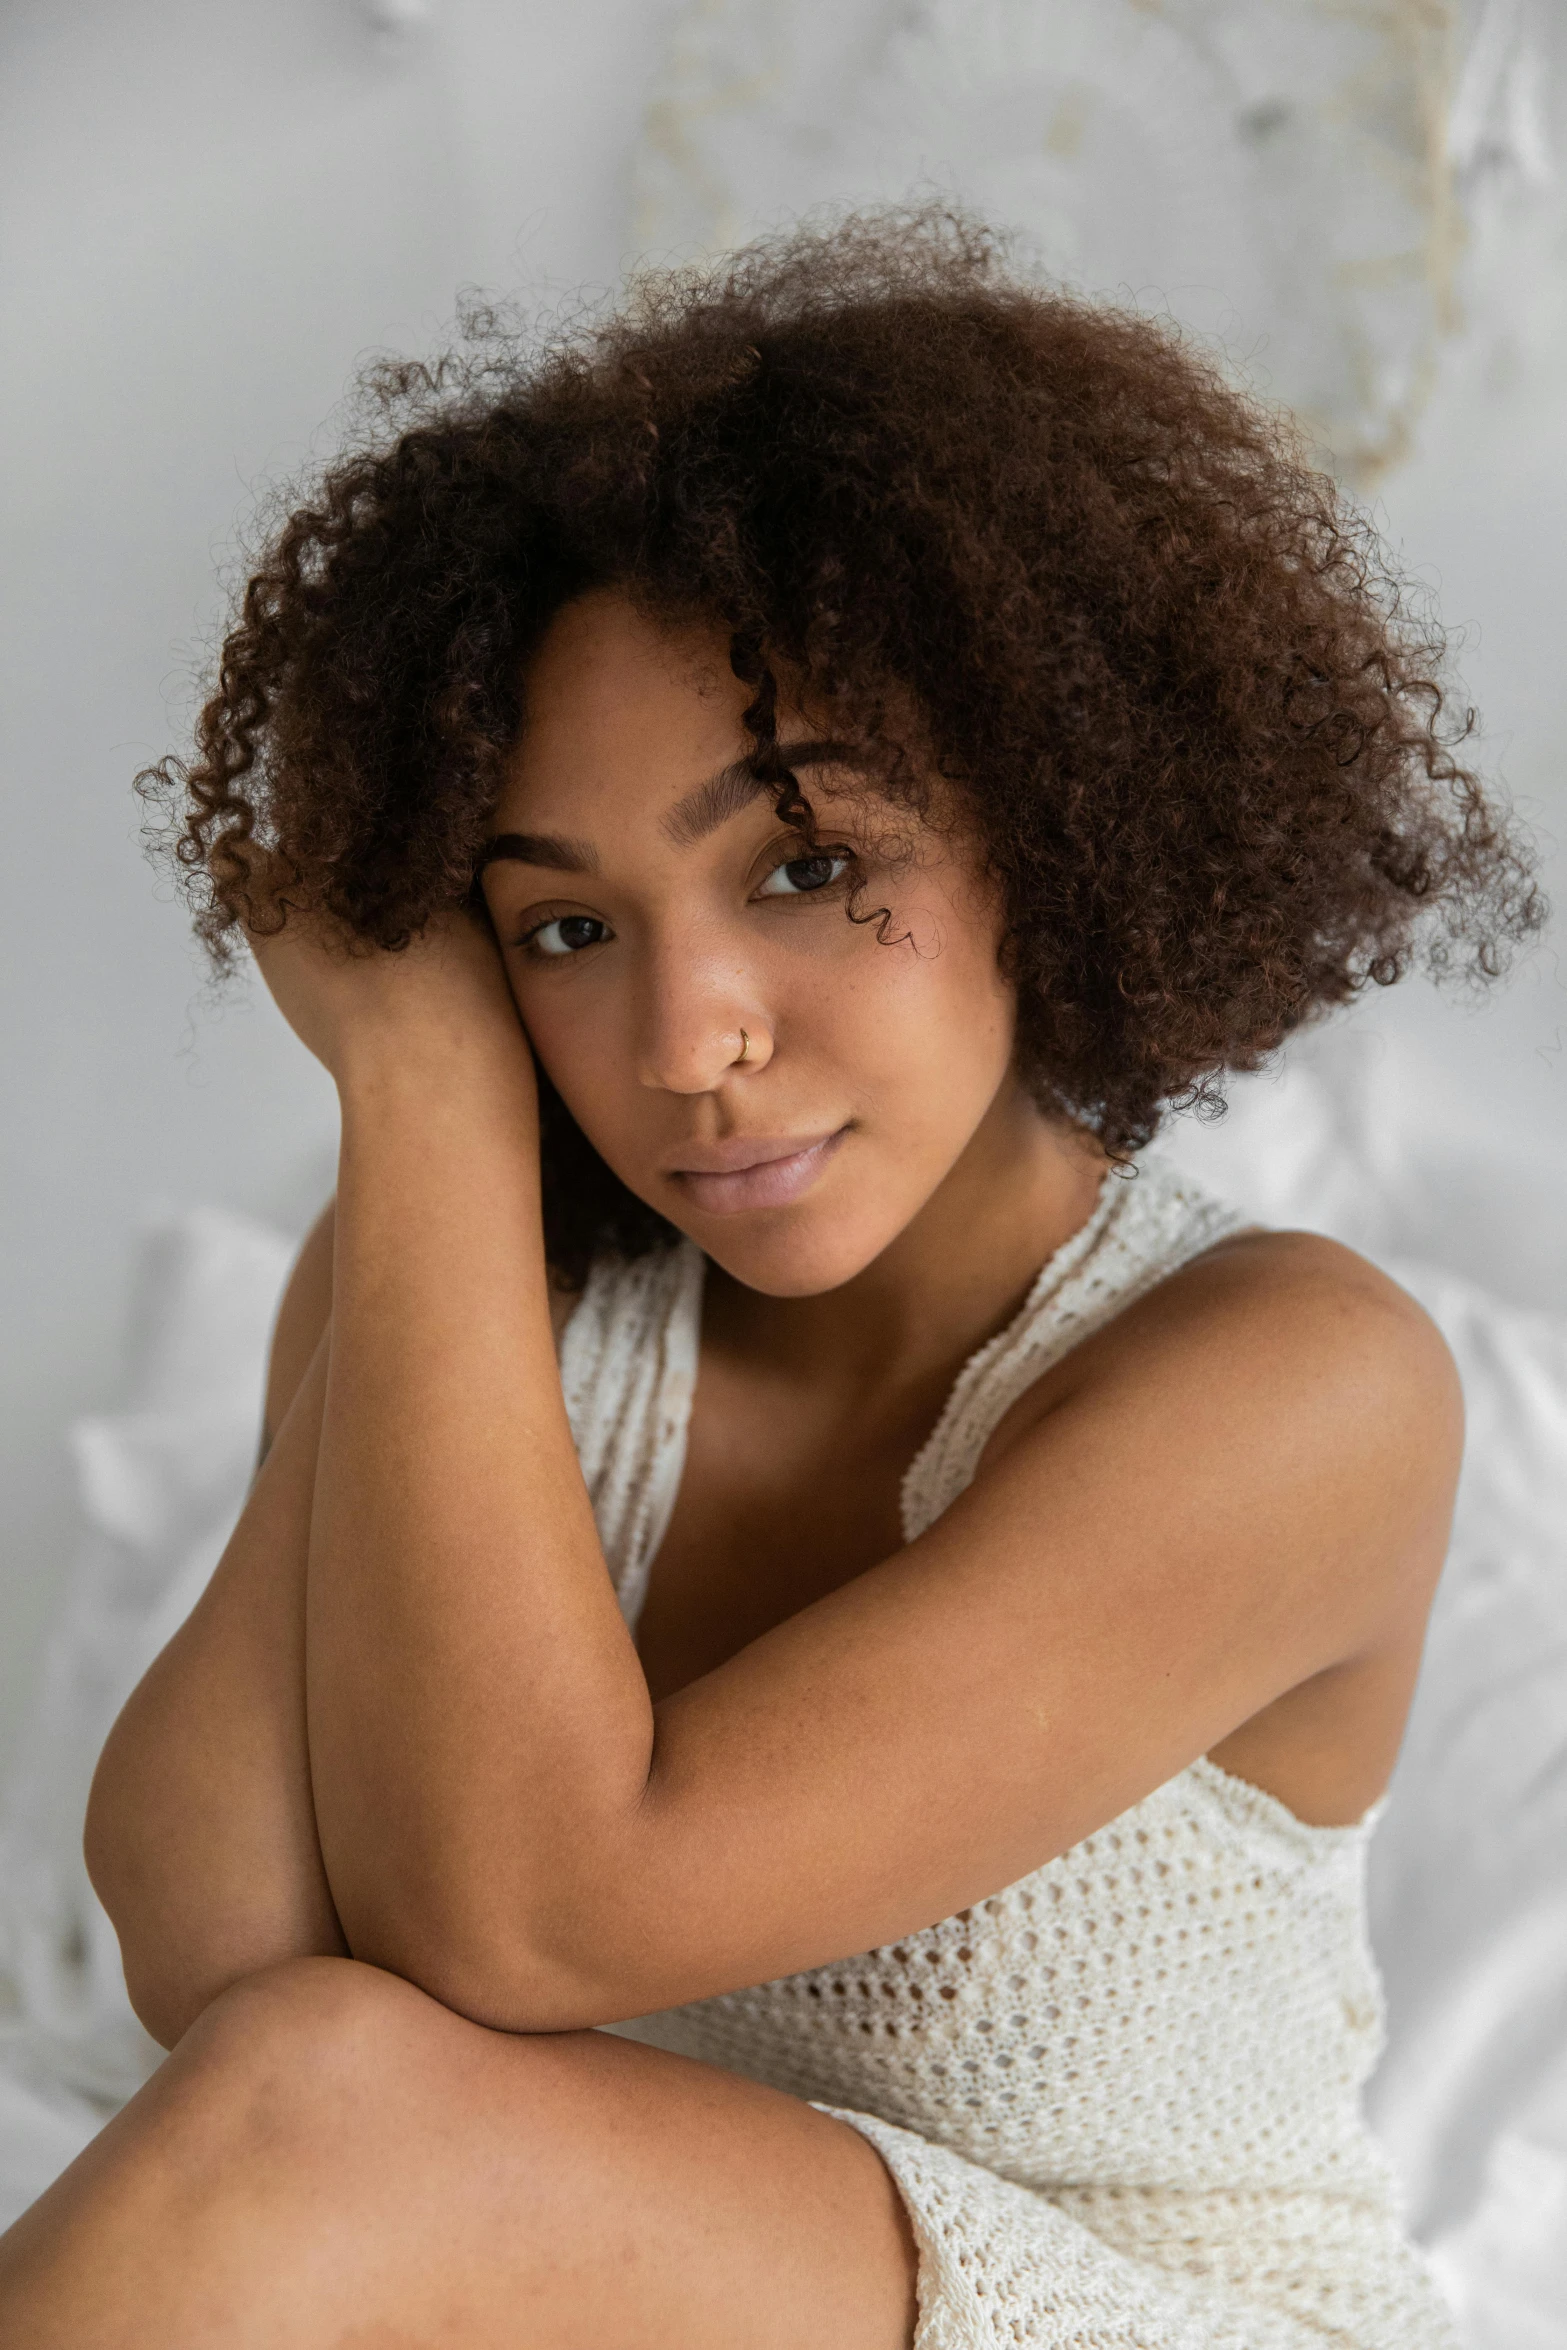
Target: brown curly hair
[{"x": 1194, "y": 717}]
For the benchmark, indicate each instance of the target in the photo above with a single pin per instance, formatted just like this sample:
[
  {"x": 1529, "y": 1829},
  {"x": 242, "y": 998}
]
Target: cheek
[
  {"x": 573, "y": 1036},
  {"x": 934, "y": 1010}
]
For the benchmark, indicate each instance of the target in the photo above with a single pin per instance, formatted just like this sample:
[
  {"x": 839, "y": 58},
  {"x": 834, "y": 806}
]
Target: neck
[{"x": 953, "y": 1277}]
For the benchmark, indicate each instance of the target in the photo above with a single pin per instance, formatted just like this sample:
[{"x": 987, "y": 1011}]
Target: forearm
[
  {"x": 201, "y": 1838},
  {"x": 478, "y": 1718}
]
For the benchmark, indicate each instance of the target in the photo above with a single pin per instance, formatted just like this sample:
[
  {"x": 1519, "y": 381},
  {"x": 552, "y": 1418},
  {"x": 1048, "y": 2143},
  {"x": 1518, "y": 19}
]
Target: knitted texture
[{"x": 1121, "y": 2097}]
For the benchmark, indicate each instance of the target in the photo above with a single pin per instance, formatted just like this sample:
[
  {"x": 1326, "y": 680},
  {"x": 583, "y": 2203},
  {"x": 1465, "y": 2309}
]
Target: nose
[{"x": 701, "y": 1018}]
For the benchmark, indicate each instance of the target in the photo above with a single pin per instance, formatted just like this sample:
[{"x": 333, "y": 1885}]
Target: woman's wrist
[
  {"x": 440, "y": 1139},
  {"x": 433, "y": 1058},
  {"x": 437, "y": 1014}
]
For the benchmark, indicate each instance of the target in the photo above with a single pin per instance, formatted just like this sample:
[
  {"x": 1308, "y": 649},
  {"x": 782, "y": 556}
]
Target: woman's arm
[
  {"x": 303, "y": 1314},
  {"x": 475, "y": 1702},
  {"x": 1246, "y": 1484},
  {"x": 201, "y": 1837}
]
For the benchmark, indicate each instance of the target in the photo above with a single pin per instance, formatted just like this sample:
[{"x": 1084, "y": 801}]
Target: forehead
[
  {"x": 631, "y": 724},
  {"x": 615, "y": 703}
]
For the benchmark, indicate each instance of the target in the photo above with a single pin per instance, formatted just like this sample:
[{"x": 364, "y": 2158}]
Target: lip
[{"x": 754, "y": 1171}]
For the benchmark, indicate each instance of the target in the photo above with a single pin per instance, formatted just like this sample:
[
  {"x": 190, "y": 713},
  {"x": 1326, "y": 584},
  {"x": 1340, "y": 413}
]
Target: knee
[
  {"x": 304, "y": 2006},
  {"x": 301, "y": 2053},
  {"x": 299, "y": 2083}
]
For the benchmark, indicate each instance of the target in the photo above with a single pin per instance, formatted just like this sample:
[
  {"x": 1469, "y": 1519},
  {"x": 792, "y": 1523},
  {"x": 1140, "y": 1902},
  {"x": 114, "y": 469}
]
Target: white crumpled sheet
[{"x": 1469, "y": 1870}]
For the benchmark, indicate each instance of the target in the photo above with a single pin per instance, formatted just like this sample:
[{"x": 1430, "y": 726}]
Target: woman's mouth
[{"x": 754, "y": 1171}]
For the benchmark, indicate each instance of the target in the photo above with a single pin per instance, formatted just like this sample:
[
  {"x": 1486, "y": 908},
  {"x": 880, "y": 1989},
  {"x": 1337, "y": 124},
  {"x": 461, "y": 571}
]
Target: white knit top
[{"x": 1121, "y": 2097}]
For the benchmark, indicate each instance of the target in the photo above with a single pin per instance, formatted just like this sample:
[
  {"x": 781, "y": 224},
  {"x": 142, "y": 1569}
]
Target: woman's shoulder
[
  {"x": 1303, "y": 1286},
  {"x": 1312, "y": 1334},
  {"x": 1277, "y": 1427},
  {"x": 1305, "y": 1314},
  {"x": 1343, "y": 1392},
  {"x": 1340, "y": 1356}
]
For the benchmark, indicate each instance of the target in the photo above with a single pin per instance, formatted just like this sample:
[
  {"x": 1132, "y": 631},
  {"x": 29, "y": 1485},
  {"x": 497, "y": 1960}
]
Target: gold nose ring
[{"x": 745, "y": 1047}]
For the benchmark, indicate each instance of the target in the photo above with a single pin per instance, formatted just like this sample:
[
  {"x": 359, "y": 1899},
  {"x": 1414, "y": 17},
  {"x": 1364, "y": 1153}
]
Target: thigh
[{"x": 330, "y": 2158}]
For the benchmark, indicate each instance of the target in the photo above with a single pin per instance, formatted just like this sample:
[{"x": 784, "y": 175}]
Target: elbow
[
  {"x": 179, "y": 1947},
  {"x": 164, "y": 2010},
  {"x": 504, "y": 1968},
  {"x": 112, "y": 1874},
  {"x": 171, "y": 1975},
  {"x": 169, "y": 1988},
  {"x": 506, "y": 1987},
  {"x": 160, "y": 2005},
  {"x": 156, "y": 2000},
  {"x": 114, "y": 1843},
  {"x": 98, "y": 1853}
]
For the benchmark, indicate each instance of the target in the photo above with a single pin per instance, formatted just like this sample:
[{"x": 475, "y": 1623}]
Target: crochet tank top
[{"x": 1165, "y": 2029}]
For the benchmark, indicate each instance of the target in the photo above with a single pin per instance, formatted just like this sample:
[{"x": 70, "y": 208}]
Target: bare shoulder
[
  {"x": 1292, "y": 1318},
  {"x": 1302, "y": 1312},
  {"x": 1289, "y": 1376},
  {"x": 1322, "y": 1323}
]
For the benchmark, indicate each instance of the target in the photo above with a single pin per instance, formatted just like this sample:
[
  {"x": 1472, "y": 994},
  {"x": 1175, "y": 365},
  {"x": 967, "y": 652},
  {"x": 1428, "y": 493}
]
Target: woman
[{"x": 760, "y": 808}]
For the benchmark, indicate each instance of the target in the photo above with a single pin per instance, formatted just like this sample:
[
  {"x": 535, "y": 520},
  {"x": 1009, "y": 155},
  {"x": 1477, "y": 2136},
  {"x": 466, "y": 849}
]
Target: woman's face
[{"x": 651, "y": 906}]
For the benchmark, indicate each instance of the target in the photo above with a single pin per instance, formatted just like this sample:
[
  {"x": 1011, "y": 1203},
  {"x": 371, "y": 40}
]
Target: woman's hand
[{"x": 357, "y": 1009}]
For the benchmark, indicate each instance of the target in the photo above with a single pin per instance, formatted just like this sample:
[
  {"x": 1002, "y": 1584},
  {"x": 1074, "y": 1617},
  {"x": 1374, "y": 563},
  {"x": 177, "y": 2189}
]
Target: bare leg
[{"x": 330, "y": 2158}]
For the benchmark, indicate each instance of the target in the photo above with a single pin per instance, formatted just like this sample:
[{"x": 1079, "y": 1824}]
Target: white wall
[{"x": 208, "y": 213}]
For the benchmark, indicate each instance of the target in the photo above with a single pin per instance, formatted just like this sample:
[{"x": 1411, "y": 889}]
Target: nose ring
[{"x": 745, "y": 1047}]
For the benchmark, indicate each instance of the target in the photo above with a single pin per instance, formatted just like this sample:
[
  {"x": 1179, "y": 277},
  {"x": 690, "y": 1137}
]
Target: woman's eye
[
  {"x": 567, "y": 934},
  {"x": 799, "y": 876}
]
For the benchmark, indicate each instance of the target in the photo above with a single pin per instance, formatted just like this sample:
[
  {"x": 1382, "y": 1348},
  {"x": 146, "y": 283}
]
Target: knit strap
[{"x": 1143, "y": 1228}]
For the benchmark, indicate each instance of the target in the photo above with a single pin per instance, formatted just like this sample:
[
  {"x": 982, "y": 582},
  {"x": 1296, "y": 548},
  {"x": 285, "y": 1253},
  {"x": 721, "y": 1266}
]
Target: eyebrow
[{"x": 699, "y": 812}]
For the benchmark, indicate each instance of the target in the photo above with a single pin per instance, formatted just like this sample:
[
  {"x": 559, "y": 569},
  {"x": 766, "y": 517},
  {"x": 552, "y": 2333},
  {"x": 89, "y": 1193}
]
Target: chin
[{"x": 791, "y": 1255}]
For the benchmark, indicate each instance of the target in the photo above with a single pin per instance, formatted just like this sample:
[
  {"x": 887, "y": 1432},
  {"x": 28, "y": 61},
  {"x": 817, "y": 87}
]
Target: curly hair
[{"x": 1196, "y": 720}]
